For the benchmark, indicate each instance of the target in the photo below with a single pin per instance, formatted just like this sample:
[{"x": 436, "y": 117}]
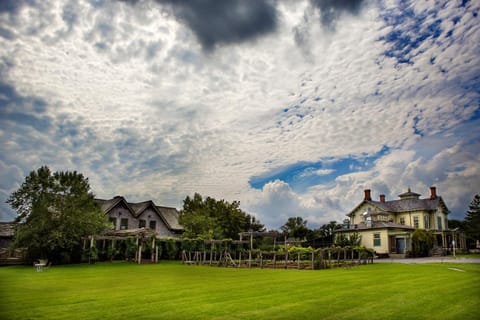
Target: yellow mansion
[{"x": 387, "y": 226}]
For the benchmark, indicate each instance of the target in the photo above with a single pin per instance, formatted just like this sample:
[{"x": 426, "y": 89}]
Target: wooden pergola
[{"x": 141, "y": 236}]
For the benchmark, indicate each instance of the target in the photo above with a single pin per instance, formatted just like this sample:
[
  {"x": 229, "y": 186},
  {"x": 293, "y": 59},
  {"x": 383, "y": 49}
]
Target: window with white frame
[
  {"x": 439, "y": 222},
  {"x": 426, "y": 222},
  {"x": 415, "y": 222}
]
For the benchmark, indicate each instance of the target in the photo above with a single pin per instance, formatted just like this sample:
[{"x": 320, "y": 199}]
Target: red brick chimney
[
  {"x": 382, "y": 198},
  {"x": 367, "y": 195},
  {"x": 433, "y": 193}
]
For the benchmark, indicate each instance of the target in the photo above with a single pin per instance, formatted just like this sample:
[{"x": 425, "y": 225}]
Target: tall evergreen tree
[
  {"x": 472, "y": 221},
  {"x": 55, "y": 210}
]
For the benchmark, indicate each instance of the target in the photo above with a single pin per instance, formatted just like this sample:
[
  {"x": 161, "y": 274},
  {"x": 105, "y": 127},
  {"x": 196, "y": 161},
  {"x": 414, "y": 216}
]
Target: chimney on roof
[
  {"x": 433, "y": 193},
  {"x": 382, "y": 198},
  {"x": 367, "y": 195}
]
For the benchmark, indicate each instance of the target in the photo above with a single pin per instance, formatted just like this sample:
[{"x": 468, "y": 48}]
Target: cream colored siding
[
  {"x": 367, "y": 240},
  {"x": 162, "y": 230}
]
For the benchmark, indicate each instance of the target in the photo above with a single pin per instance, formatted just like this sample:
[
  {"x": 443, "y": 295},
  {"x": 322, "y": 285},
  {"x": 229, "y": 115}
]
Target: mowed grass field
[{"x": 171, "y": 290}]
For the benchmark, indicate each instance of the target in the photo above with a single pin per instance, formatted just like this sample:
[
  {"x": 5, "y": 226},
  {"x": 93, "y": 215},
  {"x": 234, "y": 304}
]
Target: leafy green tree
[
  {"x": 296, "y": 227},
  {"x": 422, "y": 242},
  {"x": 55, "y": 210},
  {"x": 215, "y": 219},
  {"x": 350, "y": 240},
  {"x": 328, "y": 229},
  {"x": 472, "y": 221}
]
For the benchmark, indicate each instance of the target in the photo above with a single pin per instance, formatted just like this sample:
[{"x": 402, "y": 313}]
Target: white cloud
[
  {"x": 155, "y": 116},
  {"x": 276, "y": 202}
]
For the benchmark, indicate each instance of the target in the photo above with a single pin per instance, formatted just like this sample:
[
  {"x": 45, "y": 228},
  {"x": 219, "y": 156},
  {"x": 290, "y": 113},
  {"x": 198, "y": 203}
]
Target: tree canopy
[
  {"x": 296, "y": 227},
  {"x": 208, "y": 218},
  {"x": 55, "y": 210}
]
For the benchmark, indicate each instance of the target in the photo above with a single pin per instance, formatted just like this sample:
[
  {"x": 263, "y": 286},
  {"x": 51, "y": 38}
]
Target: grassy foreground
[{"x": 174, "y": 291}]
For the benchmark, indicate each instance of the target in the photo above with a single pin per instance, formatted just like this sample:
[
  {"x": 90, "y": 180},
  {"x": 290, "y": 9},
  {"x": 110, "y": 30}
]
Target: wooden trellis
[{"x": 216, "y": 252}]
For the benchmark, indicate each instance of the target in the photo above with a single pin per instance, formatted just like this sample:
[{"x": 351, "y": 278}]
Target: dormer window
[
  {"x": 153, "y": 225},
  {"x": 124, "y": 224}
]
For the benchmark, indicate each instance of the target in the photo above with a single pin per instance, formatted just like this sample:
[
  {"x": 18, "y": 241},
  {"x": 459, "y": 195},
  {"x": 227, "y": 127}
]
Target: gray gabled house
[{"x": 125, "y": 215}]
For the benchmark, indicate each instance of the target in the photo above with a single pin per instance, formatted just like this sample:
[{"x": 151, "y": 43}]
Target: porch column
[{"x": 408, "y": 236}]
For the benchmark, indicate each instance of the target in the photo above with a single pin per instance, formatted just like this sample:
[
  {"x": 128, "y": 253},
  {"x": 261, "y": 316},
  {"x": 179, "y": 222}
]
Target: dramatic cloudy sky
[{"x": 291, "y": 107}]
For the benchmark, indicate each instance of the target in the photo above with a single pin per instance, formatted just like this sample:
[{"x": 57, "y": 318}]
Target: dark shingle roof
[
  {"x": 107, "y": 205},
  {"x": 410, "y": 204},
  {"x": 171, "y": 216},
  {"x": 138, "y": 208}
]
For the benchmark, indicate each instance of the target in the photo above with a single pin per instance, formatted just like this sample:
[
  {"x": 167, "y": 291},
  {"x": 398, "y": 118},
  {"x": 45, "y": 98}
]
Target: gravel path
[{"x": 428, "y": 260}]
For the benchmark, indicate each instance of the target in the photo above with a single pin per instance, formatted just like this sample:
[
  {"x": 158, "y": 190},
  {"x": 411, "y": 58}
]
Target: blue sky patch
[
  {"x": 302, "y": 175},
  {"x": 409, "y": 31}
]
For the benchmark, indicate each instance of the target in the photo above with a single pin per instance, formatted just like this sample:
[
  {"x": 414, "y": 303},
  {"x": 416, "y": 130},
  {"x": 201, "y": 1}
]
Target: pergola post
[
  {"x": 91, "y": 246},
  {"x": 211, "y": 252},
  {"x": 140, "y": 253},
  {"x": 152, "y": 254},
  {"x": 250, "y": 251},
  {"x": 240, "y": 252},
  {"x": 113, "y": 250},
  {"x": 136, "y": 251},
  {"x": 274, "y": 252}
]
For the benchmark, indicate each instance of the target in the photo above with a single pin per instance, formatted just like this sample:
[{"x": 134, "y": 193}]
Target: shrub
[{"x": 422, "y": 243}]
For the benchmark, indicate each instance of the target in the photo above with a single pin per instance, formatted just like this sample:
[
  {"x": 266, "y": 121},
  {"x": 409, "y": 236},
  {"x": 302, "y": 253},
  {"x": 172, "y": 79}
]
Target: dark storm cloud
[
  {"x": 9, "y": 5},
  {"x": 227, "y": 21},
  {"x": 330, "y": 10}
]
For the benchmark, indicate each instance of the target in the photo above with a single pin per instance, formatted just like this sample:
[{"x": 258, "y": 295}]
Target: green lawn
[{"x": 174, "y": 291}]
